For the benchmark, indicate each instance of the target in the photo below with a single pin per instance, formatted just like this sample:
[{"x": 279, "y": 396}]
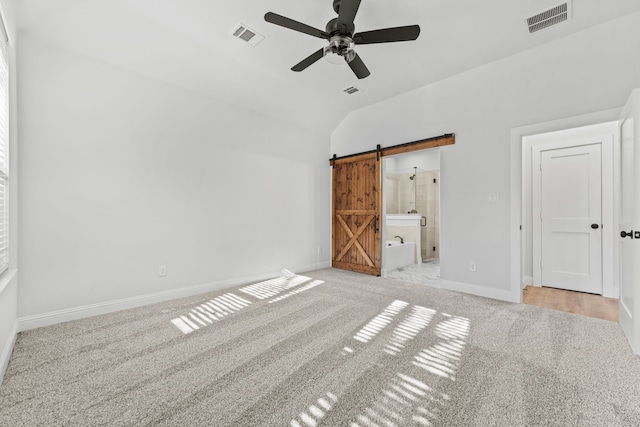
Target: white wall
[
  {"x": 120, "y": 173},
  {"x": 9, "y": 279},
  {"x": 593, "y": 70},
  {"x": 426, "y": 160}
]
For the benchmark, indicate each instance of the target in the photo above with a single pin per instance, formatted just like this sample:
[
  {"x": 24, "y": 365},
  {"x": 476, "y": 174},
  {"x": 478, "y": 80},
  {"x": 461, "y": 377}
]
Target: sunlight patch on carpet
[
  {"x": 409, "y": 398},
  {"x": 409, "y": 328},
  {"x": 381, "y": 321},
  {"x": 298, "y": 290},
  {"x": 210, "y": 311},
  {"x": 315, "y": 412},
  {"x": 213, "y": 310},
  {"x": 273, "y": 287},
  {"x": 405, "y": 397},
  {"x": 442, "y": 359}
]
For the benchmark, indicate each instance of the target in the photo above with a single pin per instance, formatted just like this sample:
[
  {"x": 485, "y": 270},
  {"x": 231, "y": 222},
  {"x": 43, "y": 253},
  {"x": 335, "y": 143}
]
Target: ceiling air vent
[
  {"x": 549, "y": 17},
  {"x": 246, "y": 34},
  {"x": 351, "y": 90}
]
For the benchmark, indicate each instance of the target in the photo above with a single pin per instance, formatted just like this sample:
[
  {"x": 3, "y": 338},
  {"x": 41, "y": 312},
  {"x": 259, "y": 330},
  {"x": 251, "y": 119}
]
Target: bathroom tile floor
[{"x": 428, "y": 272}]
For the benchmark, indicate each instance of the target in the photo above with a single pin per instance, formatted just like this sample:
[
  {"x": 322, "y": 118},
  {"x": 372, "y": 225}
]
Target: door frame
[
  {"x": 381, "y": 152},
  {"x": 384, "y": 200},
  {"x": 522, "y": 140},
  {"x": 518, "y": 273},
  {"x": 629, "y": 318},
  {"x": 556, "y": 141}
]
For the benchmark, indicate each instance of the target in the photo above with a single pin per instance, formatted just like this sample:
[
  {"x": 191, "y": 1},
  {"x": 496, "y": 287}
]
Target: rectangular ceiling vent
[
  {"x": 351, "y": 90},
  {"x": 549, "y": 17},
  {"x": 246, "y": 34}
]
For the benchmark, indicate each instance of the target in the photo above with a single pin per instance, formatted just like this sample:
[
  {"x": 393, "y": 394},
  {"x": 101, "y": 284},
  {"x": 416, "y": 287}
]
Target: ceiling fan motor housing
[{"x": 345, "y": 29}]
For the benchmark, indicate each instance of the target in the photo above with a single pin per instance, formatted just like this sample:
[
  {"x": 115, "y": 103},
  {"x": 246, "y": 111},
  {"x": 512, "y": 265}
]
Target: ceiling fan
[{"x": 340, "y": 34}]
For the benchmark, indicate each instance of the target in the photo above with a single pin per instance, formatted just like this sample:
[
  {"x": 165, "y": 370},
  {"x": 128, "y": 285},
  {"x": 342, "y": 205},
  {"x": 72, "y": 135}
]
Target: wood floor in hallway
[{"x": 572, "y": 302}]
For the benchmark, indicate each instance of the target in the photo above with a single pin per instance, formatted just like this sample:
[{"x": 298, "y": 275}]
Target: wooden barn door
[{"x": 357, "y": 211}]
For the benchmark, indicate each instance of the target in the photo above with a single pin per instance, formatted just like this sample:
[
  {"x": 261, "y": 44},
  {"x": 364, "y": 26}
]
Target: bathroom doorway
[{"x": 411, "y": 192}]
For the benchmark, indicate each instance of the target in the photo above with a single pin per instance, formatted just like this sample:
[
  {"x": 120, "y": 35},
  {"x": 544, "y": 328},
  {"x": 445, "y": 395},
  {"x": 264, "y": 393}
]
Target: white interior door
[
  {"x": 571, "y": 218},
  {"x": 629, "y": 221}
]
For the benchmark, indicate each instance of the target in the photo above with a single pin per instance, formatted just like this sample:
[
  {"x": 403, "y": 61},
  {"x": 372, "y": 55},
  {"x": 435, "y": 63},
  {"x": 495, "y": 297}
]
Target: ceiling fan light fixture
[{"x": 340, "y": 50}]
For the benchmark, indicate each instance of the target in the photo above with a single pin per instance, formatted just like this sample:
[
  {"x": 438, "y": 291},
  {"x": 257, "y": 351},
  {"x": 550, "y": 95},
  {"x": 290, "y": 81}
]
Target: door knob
[
  {"x": 595, "y": 226},
  {"x": 624, "y": 234}
]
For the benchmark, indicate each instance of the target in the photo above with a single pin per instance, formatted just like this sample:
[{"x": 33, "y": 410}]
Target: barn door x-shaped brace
[{"x": 353, "y": 237}]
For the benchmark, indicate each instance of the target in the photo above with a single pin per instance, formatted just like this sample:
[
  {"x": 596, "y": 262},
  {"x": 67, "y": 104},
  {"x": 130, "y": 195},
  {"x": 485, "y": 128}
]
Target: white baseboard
[
  {"x": 7, "y": 350},
  {"x": 481, "y": 291},
  {"x": 527, "y": 280},
  {"x": 611, "y": 292},
  {"x": 75, "y": 313},
  {"x": 311, "y": 267}
]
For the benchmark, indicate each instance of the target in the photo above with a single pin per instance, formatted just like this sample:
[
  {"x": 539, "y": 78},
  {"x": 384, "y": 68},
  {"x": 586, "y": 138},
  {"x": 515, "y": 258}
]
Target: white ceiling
[{"x": 188, "y": 43}]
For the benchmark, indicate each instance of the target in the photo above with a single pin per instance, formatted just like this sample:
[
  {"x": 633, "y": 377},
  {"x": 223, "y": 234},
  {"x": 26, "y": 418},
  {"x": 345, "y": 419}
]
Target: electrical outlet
[
  {"x": 162, "y": 270},
  {"x": 472, "y": 266}
]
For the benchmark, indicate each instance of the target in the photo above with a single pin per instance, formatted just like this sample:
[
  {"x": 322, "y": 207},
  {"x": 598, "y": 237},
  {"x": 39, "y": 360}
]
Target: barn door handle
[
  {"x": 375, "y": 224},
  {"x": 624, "y": 234}
]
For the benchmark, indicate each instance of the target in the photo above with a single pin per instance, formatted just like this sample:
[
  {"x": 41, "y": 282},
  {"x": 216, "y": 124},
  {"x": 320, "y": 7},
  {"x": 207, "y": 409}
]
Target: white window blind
[{"x": 4, "y": 159}]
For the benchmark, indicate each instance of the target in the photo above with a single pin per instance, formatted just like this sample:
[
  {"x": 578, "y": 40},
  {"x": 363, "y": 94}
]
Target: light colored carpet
[{"x": 339, "y": 349}]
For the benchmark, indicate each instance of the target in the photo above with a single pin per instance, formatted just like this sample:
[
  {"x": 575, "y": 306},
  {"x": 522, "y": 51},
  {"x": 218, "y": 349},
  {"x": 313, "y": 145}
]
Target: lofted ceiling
[{"x": 189, "y": 43}]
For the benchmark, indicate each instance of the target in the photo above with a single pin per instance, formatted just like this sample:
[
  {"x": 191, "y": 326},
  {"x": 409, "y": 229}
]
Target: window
[{"x": 4, "y": 154}]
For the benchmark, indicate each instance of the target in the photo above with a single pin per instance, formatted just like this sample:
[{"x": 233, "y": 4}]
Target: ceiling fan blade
[
  {"x": 283, "y": 21},
  {"x": 358, "y": 67},
  {"x": 348, "y": 10},
  {"x": 308, "y": 60},
  {"x": 388, "y": 35}
]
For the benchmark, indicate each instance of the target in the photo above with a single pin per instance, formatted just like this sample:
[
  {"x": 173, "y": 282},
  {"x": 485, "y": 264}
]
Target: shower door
[{"x": 357, "y": 209}]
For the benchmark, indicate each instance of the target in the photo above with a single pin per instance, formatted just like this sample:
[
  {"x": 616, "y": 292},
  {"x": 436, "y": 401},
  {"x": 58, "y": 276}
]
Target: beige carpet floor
[{"x": 334, "y": 349}]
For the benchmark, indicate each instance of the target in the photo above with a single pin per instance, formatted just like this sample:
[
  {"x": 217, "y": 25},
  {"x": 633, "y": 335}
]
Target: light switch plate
[{"x": 493, "y": 197}]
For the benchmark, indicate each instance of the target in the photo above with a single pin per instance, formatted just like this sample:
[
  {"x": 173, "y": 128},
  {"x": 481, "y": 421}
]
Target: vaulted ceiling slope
[{"x": 189, "y": 43}]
